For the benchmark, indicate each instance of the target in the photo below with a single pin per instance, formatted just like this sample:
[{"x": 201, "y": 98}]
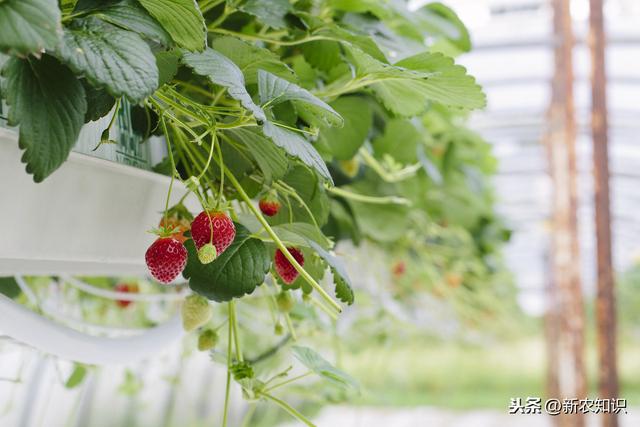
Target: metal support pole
[{"x": 605, "y": 297}]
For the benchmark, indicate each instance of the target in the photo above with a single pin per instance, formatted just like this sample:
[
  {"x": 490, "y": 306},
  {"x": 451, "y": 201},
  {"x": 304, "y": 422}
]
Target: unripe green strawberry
[
  {"x": 196, "y": 312},
  {"x": 285, "y": 302},
  {"x": 207, "y": 253},
  {"x": 207, "y": 340},
  {"x": 278, "y": 329}
]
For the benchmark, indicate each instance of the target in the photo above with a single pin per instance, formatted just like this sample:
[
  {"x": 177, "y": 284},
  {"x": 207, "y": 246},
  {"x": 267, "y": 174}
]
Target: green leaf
[
  {"x": 236, "y": 272},
  {"x": 449, "y": 84},
  {"x": 399, "y": 140},
  {"x": 130, "y": 15},
  {"x": 270, "y": 158},
  {"x": 344, "y": 292},
  {"x": 182, "y": 19},
  {"x": 99, "y": 102},
  {"x": 29, "y": 26},
  {"x": 348, "y": 38},
  {"x": 108, "y": 56},
  {"x": 270, "y": 12},
  {"x": 167, "y": 63},
  {"x": 439, "y": 20},
  {"x": 274, "y": 90},
  {"x": 76, "y": 377},
  {"x": 251, "y": 58},
  {"x": 322, "y": 54},
  {"x": 320, "y": 366},
  {"x": 297, "y": 146},
  {"x": 405, "y": 88},
  {"x": 9, "y": 287},
  {"x": 48, "y": 102},
  {"x": 222, "y": 71},
  {"x": 344, "y": 142}
]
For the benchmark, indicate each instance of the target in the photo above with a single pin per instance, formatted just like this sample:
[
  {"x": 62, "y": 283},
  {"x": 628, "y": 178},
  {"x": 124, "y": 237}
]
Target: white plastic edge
[{"x": 31, "y": 329}]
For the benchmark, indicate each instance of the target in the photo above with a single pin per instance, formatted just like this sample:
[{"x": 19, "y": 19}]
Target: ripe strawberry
[
  {"x": 178, "y": 225},
  {"x": 166, "y": 258},
  {"x": 213, "y": 224},
  {"x": 284, "y": 268},
  {"x": 269, "y": 205},
  {"x": 125, "y": 287}
]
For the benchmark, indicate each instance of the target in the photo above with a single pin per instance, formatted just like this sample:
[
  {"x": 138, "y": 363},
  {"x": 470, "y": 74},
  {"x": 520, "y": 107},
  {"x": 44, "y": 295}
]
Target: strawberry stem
[{"x": 307, "y": 277}]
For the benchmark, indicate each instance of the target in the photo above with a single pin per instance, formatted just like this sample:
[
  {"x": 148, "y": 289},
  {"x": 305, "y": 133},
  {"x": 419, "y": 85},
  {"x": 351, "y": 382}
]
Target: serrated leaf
[
  {"x": 270, "y": 158},
  {"x": 320, "y": 366},
  {"x": 130, "y": 15},
  {"x": 99, "y": 102},
  {"x": 48, "y": 102},
  {"x": 108, "y": 56},
  {"x": 406, "y": 87},
  {"x": 274, "y": 90},
  {"x": 345, "y": 141},
  {"x": 449, "y": 83},
  {"x": 222, "y": 71},
  {"x": 251, "y": 58},
  {"x": 29, "y": 26},
  {"x": 344, "y": 292},
  {"x": 182, "y": 19},
  {"x": 297, "y": 146},
  {"x": 236, "y": 272},
  {"x": 76, "y": 377},
  {"x": 270, "y": 12}
]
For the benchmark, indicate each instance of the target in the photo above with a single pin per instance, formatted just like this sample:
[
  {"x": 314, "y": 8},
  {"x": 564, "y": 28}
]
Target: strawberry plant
[{"x": 341, "y": 117}]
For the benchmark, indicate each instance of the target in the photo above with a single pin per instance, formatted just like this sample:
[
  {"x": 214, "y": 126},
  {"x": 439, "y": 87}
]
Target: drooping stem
[
  {"x": 284, "y": 405},
  {"x": 234, "y": 324},
  {"x": 228, "y": 385},
  {"x": 386, "y": 200},
  {"x": 289, "y": 381},
  {"x": 173, "y": 171}
]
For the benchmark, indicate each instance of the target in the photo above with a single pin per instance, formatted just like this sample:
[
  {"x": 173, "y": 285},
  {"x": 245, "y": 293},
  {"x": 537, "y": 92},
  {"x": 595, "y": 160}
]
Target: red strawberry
[
  {"x": 216, "y": 224},
  {"x": 284, "y": 268},
  {"x": 166, "y": 258},
  {"x": 125, "y": 287},
  {"x": 399, "y": 268},
  {"x": 269, "y": 205}
]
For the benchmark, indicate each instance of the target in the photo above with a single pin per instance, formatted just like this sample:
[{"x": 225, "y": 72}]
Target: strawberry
[
  {"x": 125, "y": 287},
  {"x": 284, "y": 268},
  {"x": 178, "y": 225},
  {"x": 207, "y": 340},
  {"x": 285, "y": 302},
  {"x": 196, "y": 312},
  {"x": 399, "y": 269},
  {"x": 269, "y": 204},
  {"x": 214, "y": 224},
  {"x": 166, "y": 258}
]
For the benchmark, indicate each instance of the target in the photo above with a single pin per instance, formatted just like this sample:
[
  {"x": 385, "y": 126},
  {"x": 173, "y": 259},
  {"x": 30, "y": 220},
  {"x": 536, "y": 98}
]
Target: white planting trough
[{"x": 90, "y": 217}]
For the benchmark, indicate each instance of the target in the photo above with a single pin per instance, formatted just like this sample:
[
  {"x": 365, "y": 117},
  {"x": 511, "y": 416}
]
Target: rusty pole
[
  {"x": 565, "y": 264},
  {"x": 605, "y": 297}
]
